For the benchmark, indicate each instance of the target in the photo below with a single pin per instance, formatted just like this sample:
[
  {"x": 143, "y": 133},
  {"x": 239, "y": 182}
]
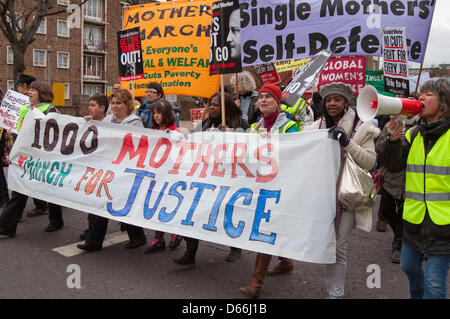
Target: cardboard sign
[
  {"x": 225, "y": 56},
  {"x": 131, "y": 65},
  {"x": 267, "y": 73},
  {"x": 305, "y": 78},
  {"x": 395, "y": 63},
  {"x": 9, "y": 109}
]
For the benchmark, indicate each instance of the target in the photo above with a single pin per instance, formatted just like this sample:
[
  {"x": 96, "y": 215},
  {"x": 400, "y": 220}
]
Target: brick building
[{"x": 83, "y": 57}]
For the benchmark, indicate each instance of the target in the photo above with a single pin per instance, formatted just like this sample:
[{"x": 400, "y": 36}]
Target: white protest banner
[
  {"x": 395, "y": 61},
  {"x": 274, "y": 195},
  {"x": 9, "y": 109},
  {"x": 277, "y": 30}
]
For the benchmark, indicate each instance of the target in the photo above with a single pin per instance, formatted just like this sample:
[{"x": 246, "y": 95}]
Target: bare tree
[{"x": 19, "y": 29}]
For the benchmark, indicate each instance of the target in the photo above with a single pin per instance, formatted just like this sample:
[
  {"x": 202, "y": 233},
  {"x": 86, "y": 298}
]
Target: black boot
[{"x": 187, "y": 260}]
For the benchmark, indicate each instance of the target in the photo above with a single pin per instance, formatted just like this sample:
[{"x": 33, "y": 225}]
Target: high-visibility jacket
[
  {"x": 428, "y": 181},
  {"x": 44, "y": 108},
  {"x": 295, "y": 111},
  {"x": 282, "y": 124}
]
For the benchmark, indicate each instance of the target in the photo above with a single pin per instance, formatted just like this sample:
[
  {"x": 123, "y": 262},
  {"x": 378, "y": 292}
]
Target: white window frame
[
  {"x": 44, "y": 20},
  {"x": 100, "y": 8},
  {"x": 10, "y": 84},
  {"x": 93, "y": 85},
  {"x": 58, "y": 53},
  {"x": 99, "y": 67},
  {"x": 34, "y": 58},
  {"x": 66, "y": 91},
  {"x": 59, "y": 34},
  {"x": 9, "y": 55}
]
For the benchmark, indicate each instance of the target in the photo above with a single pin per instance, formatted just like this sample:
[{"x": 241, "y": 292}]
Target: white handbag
[{"x": 356, "y": 188}]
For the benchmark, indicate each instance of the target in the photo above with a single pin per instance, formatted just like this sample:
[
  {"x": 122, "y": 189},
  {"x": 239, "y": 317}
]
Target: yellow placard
[
  {"x": 175, "y": 43},
  {"x": 283, "y": 66},
  {"x": 58, "y": 92}
]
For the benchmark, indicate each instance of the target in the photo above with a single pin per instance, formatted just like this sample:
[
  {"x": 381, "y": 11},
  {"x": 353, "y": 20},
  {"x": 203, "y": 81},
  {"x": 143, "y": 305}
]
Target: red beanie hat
[{"x": 273, "y": 90}]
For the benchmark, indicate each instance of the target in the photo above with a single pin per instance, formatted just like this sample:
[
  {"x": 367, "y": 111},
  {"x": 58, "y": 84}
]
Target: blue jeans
[{"x": 429, "y": 282}]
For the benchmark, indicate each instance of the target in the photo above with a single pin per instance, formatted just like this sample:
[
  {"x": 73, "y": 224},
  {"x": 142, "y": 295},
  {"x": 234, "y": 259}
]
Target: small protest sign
[
  {"x": 267, "y": 73},
  {"x": 348, "y": 70},
  {"x": 9, "y": 109},
  {"x": 395, "y": 54},
  {"x": 225, "y": 52},
  {"x": 131, "y": 66},
  {"x": 294, "y": 91}
]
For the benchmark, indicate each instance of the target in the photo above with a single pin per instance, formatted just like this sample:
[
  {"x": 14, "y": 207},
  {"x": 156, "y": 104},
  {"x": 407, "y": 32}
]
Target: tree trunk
[{"x": 19, "y": 61}]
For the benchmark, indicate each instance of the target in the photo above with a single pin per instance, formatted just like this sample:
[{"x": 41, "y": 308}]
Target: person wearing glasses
[{"x": 154, "y": 93}]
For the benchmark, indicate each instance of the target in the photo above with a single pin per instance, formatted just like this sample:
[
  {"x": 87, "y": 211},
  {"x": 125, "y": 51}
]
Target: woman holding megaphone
[
  {"x": 425, "y": 153},
  {"x": 356, "y": 138}
]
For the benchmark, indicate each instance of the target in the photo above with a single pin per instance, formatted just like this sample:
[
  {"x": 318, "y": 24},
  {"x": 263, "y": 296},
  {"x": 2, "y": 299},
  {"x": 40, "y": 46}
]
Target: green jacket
[{"x": 43, "y": 107}]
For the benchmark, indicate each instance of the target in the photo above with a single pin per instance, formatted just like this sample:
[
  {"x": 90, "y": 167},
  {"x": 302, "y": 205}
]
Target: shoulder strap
[{"x": 414, "y": 133}]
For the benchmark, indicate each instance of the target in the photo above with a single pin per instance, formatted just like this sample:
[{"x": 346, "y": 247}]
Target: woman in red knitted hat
[{"x": 274, "y": 121}]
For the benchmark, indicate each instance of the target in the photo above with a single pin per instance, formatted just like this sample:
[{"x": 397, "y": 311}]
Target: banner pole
[
  {"x": 418, "y": 79},
  {"x": 222, "y": 99},
  {"x": 237, "y": 87}
]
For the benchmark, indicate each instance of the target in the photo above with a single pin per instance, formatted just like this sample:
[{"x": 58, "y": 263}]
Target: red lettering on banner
[
  {"x": 201, "y": 159},
  {"x": 183, "y": 147},
  {"x": 168, "y": 144},
  {"x": 269, "y": 160},
  {"x": 128, "y": 147},
  {"x": 218, "y": 161},
  {"x": 238, "y": 160}
]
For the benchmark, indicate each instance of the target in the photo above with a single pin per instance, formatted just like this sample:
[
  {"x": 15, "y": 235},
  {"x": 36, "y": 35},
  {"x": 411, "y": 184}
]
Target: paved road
[{"x": 30, "y": 268}]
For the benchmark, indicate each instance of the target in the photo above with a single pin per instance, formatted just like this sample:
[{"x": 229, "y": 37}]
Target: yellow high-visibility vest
[{"x": 428, "y": 181}]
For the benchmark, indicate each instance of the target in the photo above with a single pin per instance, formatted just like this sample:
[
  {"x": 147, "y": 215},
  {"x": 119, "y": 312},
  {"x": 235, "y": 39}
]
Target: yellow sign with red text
[{"x": 175, "y": 43}]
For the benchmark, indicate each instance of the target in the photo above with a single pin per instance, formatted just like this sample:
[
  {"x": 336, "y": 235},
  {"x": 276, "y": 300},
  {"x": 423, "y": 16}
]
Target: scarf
[{"x": 269, "y": 120}]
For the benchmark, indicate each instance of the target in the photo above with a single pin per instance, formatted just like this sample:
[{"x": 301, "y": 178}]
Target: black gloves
[{"x": 339, "y": 134}]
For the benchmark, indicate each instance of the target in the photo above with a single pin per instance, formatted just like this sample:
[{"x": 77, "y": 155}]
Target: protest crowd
[{"x": 406, "y": 157}]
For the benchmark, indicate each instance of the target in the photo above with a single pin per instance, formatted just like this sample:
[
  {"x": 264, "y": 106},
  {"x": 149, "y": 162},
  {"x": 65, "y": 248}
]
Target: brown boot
[
  {"x": 254, "y": 287},
  {"x": 285, "y": 266}
]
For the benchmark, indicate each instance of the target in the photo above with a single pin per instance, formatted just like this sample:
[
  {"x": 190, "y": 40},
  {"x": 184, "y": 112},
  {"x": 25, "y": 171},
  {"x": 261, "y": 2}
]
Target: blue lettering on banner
[
  {"x": 201, "y": 187},
  {"x": 163, "y": 216},
  {"x": 215, "y": 210},
  {"x": 260, "y": 214},
  {"x": 132, "y": 196},
  {"x": 232, "y": 231},
  {"x": 148, "y": 213}
]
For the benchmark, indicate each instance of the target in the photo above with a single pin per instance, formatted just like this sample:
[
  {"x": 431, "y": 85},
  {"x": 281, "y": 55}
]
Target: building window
[
  {"x": 10, "y": 85},
  {"x": 93, "y": 38},
  {"x": 9, "y": 55},
  {"x": 66, "y": 91},
  {"x": 64, "y": 2},
  {"x": 42, "y": 27},
  {"x": 93, "y": 67},
  {"x": 63, "y": 60},
  {"x": 63, "y": 28},
  {"x": 91, "y": 89},
  {"x": 39, "y": 57},
  {"x": 93, "y": 10}
]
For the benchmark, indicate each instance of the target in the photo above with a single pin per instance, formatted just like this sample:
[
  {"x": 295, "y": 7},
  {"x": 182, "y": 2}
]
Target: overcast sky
[{"x": 438, "y": 49}]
